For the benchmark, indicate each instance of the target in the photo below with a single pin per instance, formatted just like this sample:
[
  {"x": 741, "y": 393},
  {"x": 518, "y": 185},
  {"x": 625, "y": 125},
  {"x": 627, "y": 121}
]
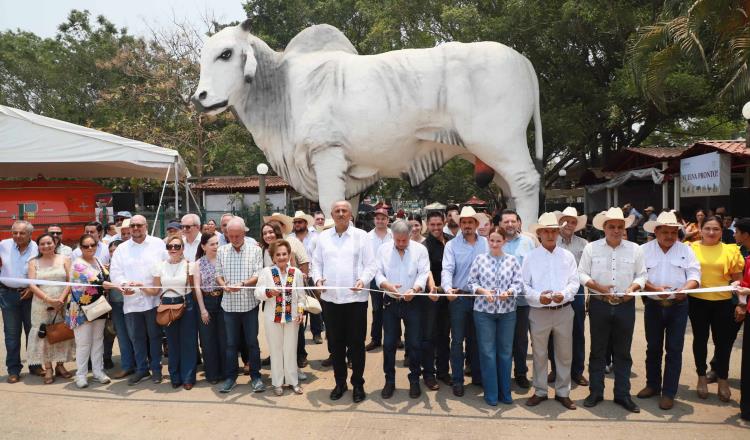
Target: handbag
[
  {"x": 58, "y": 331},
  {"x": 166, "y": 314},
  {"x": 96, "y": 309},
  {"x": 312, "y": 305}
]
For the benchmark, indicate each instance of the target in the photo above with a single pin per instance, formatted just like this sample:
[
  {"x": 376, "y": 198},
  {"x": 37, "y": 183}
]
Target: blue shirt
[
  {"x": 14, "y": 263},
  {"x": 457, "y": 259},
  {"x": 519, "y": 247}
]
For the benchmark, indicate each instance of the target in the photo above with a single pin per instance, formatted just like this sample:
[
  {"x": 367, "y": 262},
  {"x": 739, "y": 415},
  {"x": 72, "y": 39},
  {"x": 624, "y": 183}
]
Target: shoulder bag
[
  {"x": 58, "y": 331},
  {"x": 101, "y": 306},
  {"x": 166, "y": 314}
]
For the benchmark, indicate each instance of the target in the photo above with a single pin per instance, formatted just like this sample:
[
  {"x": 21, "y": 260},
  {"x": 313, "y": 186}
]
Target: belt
[
  {"x": 17, "y": 289},
  {"x": 665, "y": 302},
  {"x": 609, "y": 300},
  {"x": 556, "y": 307},
  {"x": 217, "y": 292}
]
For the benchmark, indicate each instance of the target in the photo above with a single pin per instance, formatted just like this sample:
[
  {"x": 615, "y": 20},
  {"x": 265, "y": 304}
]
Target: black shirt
[{"x": 435, "y": 251}]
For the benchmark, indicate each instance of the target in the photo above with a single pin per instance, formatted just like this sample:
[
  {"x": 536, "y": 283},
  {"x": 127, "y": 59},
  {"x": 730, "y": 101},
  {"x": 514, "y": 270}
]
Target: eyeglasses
[
  {"x": 137, "y": 225},
  {"x": 186, "y": 226},
  {"x": 55, "y": 233},
  {"x": 300, "y": 221},
  {"x": 174, "y": 247},
  {"x": 88, "y": 246}
]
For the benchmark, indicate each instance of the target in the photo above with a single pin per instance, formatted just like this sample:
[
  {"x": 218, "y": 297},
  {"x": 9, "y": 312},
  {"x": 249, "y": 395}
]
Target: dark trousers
[
  {"x": 412, "y": 313},
  {"x": 462, "y": 328},
  {"x": 346, "y": 325},
  {"x": 145, "y": 335},
  {"x": 615, "y": 322},
  {"x": 16, "y": 316},
  {"x": 745, "y": 373},
  {"x": 182, "y": 340},
  {"x": 239, "y": 324},
  {"x": 665, "y": 331},
  {"x": 736, "y": 326},
  {"x": 716, "y": 317},
  {"x": 579, "y": 337},
  {"x": 213, "y": 339},
  {"x": 521, "y": 341},
  {"x": 435, "y": 333},
  {"x": 316, "y": 324},
  {"x": 376, "y": 327}
]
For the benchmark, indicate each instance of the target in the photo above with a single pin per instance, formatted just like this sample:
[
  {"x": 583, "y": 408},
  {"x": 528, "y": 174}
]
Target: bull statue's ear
[{"x": 251, "y": 64}]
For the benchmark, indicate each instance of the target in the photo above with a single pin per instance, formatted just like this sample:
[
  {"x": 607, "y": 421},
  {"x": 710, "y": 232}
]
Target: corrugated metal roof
[{"x": 239, "y": 183}]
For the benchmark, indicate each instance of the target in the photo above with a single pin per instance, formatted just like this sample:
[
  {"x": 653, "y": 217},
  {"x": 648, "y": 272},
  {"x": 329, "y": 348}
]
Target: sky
[{"x": 42, "y": 17}]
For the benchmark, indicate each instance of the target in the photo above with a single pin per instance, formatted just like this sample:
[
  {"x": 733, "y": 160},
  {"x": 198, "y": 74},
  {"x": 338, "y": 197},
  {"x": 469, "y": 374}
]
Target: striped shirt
[{"x": 235, "y": 267}]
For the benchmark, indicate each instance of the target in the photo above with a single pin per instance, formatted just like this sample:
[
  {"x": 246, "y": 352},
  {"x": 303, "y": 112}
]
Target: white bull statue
[{"x": 332, "y": 122}]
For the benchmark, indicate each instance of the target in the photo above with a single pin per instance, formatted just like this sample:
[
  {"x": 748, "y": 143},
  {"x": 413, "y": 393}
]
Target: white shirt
[
  {"x": 619, "y": 267},
  {"x": 191, "y": 248},
  {"x": 133, "y": 262},
  {"x": 575, "y": 245},
  {"x": 102, "y": 253},
  {"x": 376, "y": 242},
  {"x": 64, "y": 250},
  {"x": 544, "y": 270},
  {"x": 342, "y": 260},
  {"x": 173, "y": 277},
  {"x": 16, "y": 264},
  {"x": 410, "y": 271},
  {"x": 672, "y": 268}
]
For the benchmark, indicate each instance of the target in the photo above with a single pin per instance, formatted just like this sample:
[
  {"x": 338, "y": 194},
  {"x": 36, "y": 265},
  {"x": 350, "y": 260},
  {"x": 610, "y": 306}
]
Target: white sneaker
[
  {"x": 103, "y": 379},
  {"x": 81, "y": 382},
  {"x": 301, "y": 375}
]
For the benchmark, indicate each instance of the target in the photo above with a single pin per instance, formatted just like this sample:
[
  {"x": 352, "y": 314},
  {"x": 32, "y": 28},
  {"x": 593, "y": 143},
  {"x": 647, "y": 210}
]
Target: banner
[{"x": 705, "y": 175}]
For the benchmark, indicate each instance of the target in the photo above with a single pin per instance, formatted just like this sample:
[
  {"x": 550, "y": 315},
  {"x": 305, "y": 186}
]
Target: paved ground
[{"x": 32, "y": 410}]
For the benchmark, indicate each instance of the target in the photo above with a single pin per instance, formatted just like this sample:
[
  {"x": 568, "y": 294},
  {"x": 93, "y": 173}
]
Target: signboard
[{"x": 705, "y": 175}]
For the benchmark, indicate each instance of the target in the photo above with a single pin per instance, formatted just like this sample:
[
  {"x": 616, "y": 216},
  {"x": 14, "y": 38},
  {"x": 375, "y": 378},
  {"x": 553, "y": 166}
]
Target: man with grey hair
[
  {"x": 191, "y": 232},
  {"x": 15, "y": 297},
  {"x": 403, "y": 266}
]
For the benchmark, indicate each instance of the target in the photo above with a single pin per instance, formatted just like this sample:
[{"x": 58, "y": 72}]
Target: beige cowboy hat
[
  {"x": 548, "y": 220},
  {"x": 666, "y": 218},
  {"x": 300, "y": 215},
  {"x": 612, "y": 214},
  {"x": 571, "y": 211},
  {"x": 327, "y": 225},
  {"x": 468, "y": 212},
  {"x": 285, "y": 220}
]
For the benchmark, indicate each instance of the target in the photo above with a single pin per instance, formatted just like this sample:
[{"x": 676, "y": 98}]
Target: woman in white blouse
[
  {"x": 172, "y": 281},
  {"x": 282, "y": 315}
]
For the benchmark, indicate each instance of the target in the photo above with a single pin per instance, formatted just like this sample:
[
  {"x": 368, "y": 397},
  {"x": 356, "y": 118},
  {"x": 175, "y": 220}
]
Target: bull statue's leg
[
  {"x": 523, "y": 186},
  {"x": 330, "y": 167}
]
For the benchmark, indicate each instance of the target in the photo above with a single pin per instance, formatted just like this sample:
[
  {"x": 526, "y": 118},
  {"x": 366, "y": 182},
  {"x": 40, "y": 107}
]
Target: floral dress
[
  {"x": 39, "y": 350},
  {"x": 82, "y": 272}
]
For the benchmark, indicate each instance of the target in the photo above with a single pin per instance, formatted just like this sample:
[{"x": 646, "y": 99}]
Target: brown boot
[
  {"x": 702, "y": 387},
  {"x": 724, "y": 392},
  {"x": 646, "y": 393},
  {"x": 666, "y": 403}
]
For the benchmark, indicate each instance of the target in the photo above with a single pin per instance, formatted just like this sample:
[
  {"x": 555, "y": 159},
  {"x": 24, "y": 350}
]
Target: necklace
[{"x": 173, "y": 272}]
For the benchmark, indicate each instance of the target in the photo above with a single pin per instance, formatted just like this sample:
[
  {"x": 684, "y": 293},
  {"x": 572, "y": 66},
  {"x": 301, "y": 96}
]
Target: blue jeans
[
  {"x": 393, "y": 312},
  {"x": 127, "y": 356},
  {"x": 239, "y": 324},
  {"x": 521, "y": 341},
  {"x": 495, "y": 340},
  {"x": 213, "y": 339},
  {"x": 376, "y": 328},
  {"x": 579, "y": 337},
  {"x": 182, "y": 340},
  {"x": 462, "y": 327},
  {"x": 16, "y": 315},
  {"x": 659, "y": 321},
  {"x": 145, "y": 335}
]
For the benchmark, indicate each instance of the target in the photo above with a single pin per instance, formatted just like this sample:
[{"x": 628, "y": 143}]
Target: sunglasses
[
  {"x": 88, "y": 246},
  {"x": 54, "y": 234},
  {"x": 137, "y": 225},
  {"x": 174, "y": 247}
]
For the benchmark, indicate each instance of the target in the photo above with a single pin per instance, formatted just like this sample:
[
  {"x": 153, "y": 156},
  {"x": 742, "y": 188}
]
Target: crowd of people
[{"x": 462, "y": 292}]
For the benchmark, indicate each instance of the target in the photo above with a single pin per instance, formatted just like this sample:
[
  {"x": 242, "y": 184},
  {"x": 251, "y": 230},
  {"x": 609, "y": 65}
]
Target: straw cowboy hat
[
  {"x": 612, "y": 214},
  {"x": 548, "y": 220},
  {"x": 300, "y": 215},
  {"x": 468, "y": 212},
  {"x": 666, "y": 218},
  {"x": 327, "y": 225},
  {"x": 571, "y": 211},
  {"x": 285, "y": 220}
]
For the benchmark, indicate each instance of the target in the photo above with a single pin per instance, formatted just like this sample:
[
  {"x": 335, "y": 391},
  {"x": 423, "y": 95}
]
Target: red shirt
[{"x": 745, "y": 282}]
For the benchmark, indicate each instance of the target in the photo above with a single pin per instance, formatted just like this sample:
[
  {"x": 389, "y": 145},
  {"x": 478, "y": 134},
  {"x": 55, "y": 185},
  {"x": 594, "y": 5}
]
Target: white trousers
[
  {"x": 559, "y": 323},
  {"x": 282, "y": 341},
  {"x": 90, "y": 344}
]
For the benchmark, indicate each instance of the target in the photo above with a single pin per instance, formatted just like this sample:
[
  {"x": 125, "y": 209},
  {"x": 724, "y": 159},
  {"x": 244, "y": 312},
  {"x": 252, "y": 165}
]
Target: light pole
[
  {"x": 746, "y": 115},
  {"x": 262, "y": 170}
]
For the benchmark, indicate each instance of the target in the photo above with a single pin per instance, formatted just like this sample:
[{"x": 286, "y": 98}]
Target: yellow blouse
[{"x": 718, "y": 263}]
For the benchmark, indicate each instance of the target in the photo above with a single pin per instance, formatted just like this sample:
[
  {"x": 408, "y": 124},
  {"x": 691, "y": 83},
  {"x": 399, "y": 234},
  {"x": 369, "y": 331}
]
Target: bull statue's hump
[{"x": 319, "y": 38}]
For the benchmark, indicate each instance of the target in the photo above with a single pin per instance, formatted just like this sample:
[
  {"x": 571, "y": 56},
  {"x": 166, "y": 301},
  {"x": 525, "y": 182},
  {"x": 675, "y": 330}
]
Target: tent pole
[
  {"x": 176, "y": 187},
  {"x": 187, "y": 196},
  {"x": 161, "y": 197}
]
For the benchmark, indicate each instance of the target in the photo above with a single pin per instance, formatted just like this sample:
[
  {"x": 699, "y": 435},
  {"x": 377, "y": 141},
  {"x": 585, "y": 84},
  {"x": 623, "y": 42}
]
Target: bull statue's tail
[{"x": 538, "y": 144}]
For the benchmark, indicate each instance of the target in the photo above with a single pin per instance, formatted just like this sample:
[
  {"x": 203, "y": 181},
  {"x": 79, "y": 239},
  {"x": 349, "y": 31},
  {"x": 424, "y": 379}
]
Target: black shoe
[
  {"x": 339, "y": 391},
  {"x": 458, "y": 390},
  {"x": 446, "y": 379},
  {"x": 358, "y": 394},
  {"x": 431, "y": 383},
  {"x": 108, "y": 364},
  {"x": 414, "y": 390},
  {"x": 176, "y": 385},
  {"x": 302, "y": 362},
  {"x": 523, "y": 382},
  {"x": 592, "y": 400},
  {"x": 388, "y": 390},
  {"x": 372, "y": 345},
  {"x": 156, "y": 378},
  {"x": 137, "y": 377},
  {"x": 400, "y": 344},
  {"x": 265, "y": 362},
  {"x": 628, "y": 404},
  {"x": 327, "y": 362},
  {"x": 37, "y": 370}
]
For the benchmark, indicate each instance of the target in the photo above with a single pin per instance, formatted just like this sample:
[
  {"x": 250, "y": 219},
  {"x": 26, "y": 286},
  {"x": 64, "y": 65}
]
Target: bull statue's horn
[{"x": 483, "y": 173}]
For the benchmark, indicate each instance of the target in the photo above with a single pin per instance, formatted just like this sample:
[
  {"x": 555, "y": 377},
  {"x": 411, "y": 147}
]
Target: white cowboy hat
[
  {"x": 285, "y": 220},
  {"x": 548, "y": 220},
  {"x": 612, "y": 214},
  {"x": 666, "y": 218},
  {"x": 327, "y": 225},
  {"x": 468, "y": 212},
  {"x": 302, "y": 216},
  {"x": 571, "y": 211}
]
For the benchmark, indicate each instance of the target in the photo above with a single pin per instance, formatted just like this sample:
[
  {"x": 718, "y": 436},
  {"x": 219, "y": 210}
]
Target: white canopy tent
[{"x": 33, "y": 145}]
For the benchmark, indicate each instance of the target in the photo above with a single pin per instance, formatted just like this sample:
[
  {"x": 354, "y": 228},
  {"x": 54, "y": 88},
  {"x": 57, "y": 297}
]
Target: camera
[{"x": 42, "y": 333}]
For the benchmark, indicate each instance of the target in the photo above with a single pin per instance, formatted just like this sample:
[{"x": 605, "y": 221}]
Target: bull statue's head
[{"x": 227, "y": 63}]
